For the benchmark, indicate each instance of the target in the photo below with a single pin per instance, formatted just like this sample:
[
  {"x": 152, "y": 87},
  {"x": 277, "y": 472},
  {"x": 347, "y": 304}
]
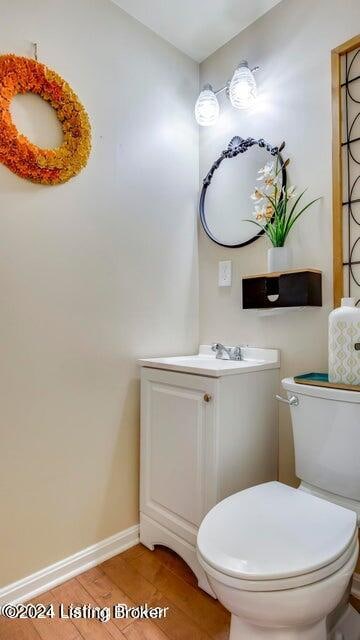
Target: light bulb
[
  {"x": 242, "y": 89},
  {"x": 207, "y": 107}
]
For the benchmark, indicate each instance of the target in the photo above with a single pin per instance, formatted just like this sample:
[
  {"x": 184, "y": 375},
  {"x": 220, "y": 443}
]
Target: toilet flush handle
[{"x": 293, "y": 401}]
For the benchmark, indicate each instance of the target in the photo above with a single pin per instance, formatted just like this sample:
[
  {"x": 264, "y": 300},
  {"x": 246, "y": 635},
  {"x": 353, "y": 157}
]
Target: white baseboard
[
  {"x": 59, "y": 572},
  {"x": 355, "y": 590}
]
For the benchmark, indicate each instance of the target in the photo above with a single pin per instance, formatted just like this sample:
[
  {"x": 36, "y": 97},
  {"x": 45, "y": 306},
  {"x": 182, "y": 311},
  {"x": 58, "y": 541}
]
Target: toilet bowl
[{"x": 280, "y": 560}]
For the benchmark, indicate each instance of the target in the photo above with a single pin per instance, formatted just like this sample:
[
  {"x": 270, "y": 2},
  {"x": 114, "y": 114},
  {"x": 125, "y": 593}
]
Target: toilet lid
[{"x": 274, "y": 531}]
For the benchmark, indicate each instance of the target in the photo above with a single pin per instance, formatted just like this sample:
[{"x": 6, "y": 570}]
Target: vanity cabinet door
[{"x": 178, "y": 465}]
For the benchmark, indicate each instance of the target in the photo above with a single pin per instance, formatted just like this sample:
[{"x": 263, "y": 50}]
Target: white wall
[
  {"x": 93, "y": 274},
  {"x": 292, "y": 45}
]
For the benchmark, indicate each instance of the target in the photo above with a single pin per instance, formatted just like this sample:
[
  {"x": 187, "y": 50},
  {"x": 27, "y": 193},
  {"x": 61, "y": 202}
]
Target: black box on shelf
[{"x": 296, "y": 288}]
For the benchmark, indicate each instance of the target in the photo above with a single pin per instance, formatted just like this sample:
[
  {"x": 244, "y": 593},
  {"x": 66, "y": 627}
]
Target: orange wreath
[{"x": 47, "y": 166}]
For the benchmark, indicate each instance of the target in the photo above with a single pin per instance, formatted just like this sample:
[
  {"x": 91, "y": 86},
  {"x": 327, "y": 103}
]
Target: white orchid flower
[
  {"x": 260, "y": 213},
  {"x": 263, "y": 213},
  {"x": 268, "y": 171},
  {"x": 257, "y": 195},
  {"x": 291, "y": 192}
]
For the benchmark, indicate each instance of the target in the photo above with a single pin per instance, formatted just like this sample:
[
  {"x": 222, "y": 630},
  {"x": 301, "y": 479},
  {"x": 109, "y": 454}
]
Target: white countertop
[{"x": 206, "y": 364}]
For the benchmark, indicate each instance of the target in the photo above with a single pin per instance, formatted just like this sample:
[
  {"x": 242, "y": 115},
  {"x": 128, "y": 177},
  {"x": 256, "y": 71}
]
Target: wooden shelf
[
  {"x": 277, "y": 274},
  {"x": 293, "y": 288}
]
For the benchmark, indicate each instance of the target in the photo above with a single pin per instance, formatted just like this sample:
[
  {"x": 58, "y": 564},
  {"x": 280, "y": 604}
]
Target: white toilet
[{"x": 281, "y": 559}]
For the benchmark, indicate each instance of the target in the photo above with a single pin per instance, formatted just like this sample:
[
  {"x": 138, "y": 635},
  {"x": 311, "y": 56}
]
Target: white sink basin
[{"x": 206, "y": 364}]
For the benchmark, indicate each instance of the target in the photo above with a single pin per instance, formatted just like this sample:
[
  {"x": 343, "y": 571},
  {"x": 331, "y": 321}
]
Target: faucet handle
[
  {"x": 232, "y": 353},
  {"x": 237, "y": 353}
]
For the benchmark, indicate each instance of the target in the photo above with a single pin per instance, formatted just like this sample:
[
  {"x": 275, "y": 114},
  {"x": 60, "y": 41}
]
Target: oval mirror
[{"x": 225, "y": 202}]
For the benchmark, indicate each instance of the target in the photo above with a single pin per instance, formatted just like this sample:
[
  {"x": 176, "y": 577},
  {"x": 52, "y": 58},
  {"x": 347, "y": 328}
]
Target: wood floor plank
[
  {"x": 73, "y": 592},
  {"x": 17, "y": 630},
  {"x": 355, "y": 603},
  {"x": 55, "y": 628},
  {"x": 106, "y": 593},
  {"x": 145, "y": 630},
  {"x": 177, "y": 625},
  {"x": 200, "y": 607},
  {"x": 92, "y": 574},
  {"x": 173, "y": 562},
  {"x": 135, "y": 585},
  {"x": 133, "y": 552}
]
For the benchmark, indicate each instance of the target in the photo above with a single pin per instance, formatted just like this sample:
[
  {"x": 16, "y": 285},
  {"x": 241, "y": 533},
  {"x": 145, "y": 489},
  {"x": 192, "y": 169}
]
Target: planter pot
[{"x": 279, "y": 259}]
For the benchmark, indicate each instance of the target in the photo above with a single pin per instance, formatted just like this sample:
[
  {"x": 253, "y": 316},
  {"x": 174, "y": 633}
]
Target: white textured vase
[
  {"x": 279, "y": 259},
  {"x": 344, "y": 343}
]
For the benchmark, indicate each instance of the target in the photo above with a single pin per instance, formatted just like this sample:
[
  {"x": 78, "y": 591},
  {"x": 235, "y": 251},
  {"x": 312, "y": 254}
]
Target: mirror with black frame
[{"x": 225, "y": 202}]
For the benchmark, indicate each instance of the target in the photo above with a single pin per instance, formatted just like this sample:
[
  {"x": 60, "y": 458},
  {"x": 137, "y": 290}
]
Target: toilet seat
[
  {"x": 282, "y": 584},
  {"x": 273, "y": 537}
]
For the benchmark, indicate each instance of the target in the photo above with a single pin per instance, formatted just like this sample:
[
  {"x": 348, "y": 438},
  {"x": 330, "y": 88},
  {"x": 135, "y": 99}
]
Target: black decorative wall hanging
[{"x": 350, "y": 144}]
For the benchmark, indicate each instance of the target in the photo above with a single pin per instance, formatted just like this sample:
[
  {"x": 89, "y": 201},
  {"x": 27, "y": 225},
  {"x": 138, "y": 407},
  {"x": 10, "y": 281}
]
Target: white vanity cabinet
[{"x": 208, "y": 429}]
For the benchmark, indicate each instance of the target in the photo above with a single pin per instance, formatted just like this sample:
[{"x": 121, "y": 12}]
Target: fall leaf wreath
[{"x": 46, "y": 166}]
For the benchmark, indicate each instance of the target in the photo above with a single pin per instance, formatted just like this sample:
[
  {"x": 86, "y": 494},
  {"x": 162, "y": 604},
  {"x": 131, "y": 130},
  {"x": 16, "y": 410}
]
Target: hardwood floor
[
  {"x": 135, "y": 577},
  {"x": 355, "y": 603}
]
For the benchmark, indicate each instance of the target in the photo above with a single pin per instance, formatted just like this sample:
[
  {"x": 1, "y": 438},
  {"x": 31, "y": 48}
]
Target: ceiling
[{"x": 197, "y": 27}]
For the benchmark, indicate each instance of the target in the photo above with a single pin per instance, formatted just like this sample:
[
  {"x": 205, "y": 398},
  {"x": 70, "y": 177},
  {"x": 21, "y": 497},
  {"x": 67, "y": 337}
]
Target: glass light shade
[
  {"x": 207, "y": 107},
  {"x": 242, "y": 89}
]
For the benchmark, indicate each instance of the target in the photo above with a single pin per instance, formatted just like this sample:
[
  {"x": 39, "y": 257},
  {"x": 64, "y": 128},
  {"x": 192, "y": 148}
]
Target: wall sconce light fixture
[
  {"x": 241, "y": 91},
  {"x": 207, "y": 107}
]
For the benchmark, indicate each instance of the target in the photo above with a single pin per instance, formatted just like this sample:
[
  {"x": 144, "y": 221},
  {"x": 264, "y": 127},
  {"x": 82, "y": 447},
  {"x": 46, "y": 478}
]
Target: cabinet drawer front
[{"x": 177, "y": 452}]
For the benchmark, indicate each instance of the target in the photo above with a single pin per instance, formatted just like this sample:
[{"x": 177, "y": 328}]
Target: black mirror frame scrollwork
[{"x": 236, "y": 146}]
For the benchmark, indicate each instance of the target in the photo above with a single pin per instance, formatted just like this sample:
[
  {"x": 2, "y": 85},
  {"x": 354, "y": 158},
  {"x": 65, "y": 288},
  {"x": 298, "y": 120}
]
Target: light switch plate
[{"x": 225, "y": 273}]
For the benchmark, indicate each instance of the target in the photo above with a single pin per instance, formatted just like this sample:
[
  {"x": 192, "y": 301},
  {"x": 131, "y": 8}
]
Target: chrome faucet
[{"x": 226, "y": 353}]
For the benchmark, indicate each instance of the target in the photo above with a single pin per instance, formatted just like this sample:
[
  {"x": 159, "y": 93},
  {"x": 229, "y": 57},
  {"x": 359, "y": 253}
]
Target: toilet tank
[{"x": 326, "y": 428}]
